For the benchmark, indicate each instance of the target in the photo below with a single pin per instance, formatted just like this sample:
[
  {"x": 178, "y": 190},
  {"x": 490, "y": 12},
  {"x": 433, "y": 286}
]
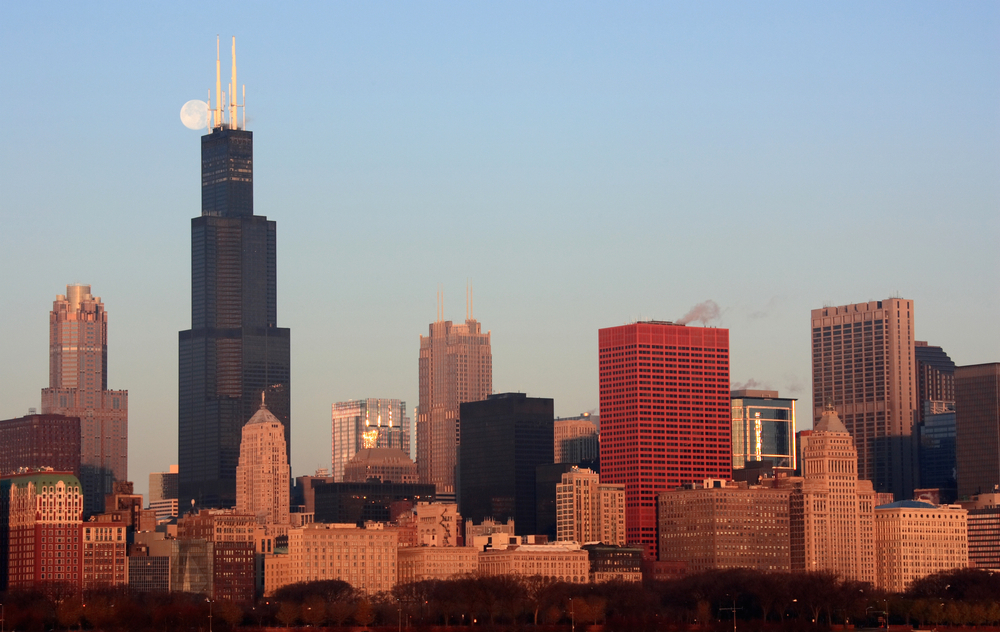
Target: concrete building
[
  {"x": 40, "y": 517},
  {"x": 588, "y": 511},
  {"x": 456, "y": 366},
  {"x": 723, "y": 524},
  {"x": 763, "y": 430},
  {"x": 503, "y": 439},
  {"x": 364, "y": 558},
  {"x": 864, "y": 365},
  {"x": 104, "y": 545},
  {"x": 163, "y": 485},
  {"x": 361, "y": 424},
  {"x": 78, "y": 387},
  {"x": 576, "y": 440},
  {"x": 418, "y": 563},
  {"x": 486, "y": 529},
  {"x": 665, "y": 414},
  {"x": 233, "y": 541},
  {"x": 983, "y": 528},
  {"x": 831, "y": 511},
  {"x": 436, "y": 524},
  {"x": 977, "y": 428},
  {"x": 40, "y": 441},
  {"x": 614, "y": 563},
  {"x": 263, "y": 477},
  {"x": 565, "y": 562},
  {"x": 358, "y": 503},
  {"x": 386, "y": 465},
  {"x": 915, "y": 539}
]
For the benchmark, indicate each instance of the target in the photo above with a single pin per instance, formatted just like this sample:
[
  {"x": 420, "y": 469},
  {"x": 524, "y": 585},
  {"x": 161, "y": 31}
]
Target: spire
[
  {"x": 232, "y": 92},
  {"x": 262, "y": 404},
  {"x": 217, "y": 122}
]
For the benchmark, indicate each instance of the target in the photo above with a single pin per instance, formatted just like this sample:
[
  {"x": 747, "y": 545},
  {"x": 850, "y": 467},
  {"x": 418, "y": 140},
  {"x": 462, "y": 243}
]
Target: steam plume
[{"x": 701, "y": 313}]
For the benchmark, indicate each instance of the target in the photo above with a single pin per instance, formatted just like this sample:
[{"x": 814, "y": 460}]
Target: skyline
[{"x": 585, "y": 167}]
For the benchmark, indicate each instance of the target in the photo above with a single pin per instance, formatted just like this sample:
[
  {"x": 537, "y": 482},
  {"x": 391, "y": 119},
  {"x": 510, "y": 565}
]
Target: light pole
[
  {"x": 734, "y": 609},
  {"x": 572, "y": 615},
  {"x": 209, "y": 614}
]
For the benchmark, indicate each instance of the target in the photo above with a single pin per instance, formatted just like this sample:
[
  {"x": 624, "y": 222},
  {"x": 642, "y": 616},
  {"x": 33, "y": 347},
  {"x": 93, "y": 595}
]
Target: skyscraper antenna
[
  {"x": 218, "y": 87},
  {"x": 233, "y": 87}
]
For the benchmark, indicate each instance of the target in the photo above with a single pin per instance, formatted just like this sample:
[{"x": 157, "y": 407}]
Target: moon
[{"x": 194, "y": 114}]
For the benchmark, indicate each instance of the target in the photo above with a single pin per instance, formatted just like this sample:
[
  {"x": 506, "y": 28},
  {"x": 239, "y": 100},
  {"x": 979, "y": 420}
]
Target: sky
[{"x": 582, "y": 164}]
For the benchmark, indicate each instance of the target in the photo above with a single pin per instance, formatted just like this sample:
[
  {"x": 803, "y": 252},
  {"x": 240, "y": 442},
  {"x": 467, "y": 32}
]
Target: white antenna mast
[
  {"x": 218, "y": 87},
  {"x": 233, "y": 87}
]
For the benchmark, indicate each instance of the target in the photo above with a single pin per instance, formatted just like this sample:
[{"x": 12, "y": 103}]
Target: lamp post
[
  {"x": 209, "y": 614},
  {"x": 572, "y": 615}
]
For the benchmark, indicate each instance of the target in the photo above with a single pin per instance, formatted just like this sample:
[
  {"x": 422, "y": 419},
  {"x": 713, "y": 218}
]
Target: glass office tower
[{"x": 763, "y": 429}]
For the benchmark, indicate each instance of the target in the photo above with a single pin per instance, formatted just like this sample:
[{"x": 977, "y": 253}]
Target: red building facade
[
  {"x": 40, "y": 441},
  {"x": 665, "y": 414}
]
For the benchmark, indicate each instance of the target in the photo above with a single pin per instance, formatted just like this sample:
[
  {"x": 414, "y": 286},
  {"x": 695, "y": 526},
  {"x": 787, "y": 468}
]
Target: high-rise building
[
  {"x": 935, "y": 380},
  {"x": 40, "y": 441},
  {"x": 163, "y": 485},
  {"x": 230, "y": 536},
  {"x": 665, "y": 414},
  {"x": 983, "y": 523},
  {"x": 977, "y": 428},
  {"x": 589, "y": 511},
  {"x": 576, "y": 440},
  {"x": 361, "y": 424},
  {"x": 78, "y": 387},
  {"x": 936, "y": 449},
  {"x": 864, "y": 365},
  {"x": 915, "y": 539},
  {"x": 503, "y": 439},
  {"x": 388, "y": 465},
  {"x": 763, "y": 429},
  {"x": 456, "y": 366},
  {"x": 234, "y": 349},
  {"x": 263, "y": 478}
]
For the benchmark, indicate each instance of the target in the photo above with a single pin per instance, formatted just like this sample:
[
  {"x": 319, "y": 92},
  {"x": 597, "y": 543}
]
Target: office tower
[
  {"x": 915, "y": 539},
  {"x": 163, "y": 485},
  {"x": 863, "y": 364},
  {"x": 263, "y": 478},
  {"x": 936, "y": 452},
  {"x": 763, "y": 429},
  {"x": 614, "y": 563},
  {"x": 576, "y": 440},
  {"x": 983, "y": 524},
  {"x": 78, "y": 387},
  {"x": 361, "y": 424},
  {"x": 977, "y": 428},
  {"x": 665, "y": 414},
  {"x": 830, "y": 516},
  {"x": 104, "y": 541},
  {"x": 935, "y": 380},
  {"x": 230, "y": 537},
  {"x": 724, "y": 524},
  {"x": 27, "y": 534},
  {"x": 40, "y": 441},
  {"x": 456, "y": 366},
  {"x": 371, "y": 501},
  {"x": 547, "y": 478},
  {"x": 387, "y": 465},
  {"x": 234, "y": 349},
  {"x": 503, "y": 439},
  {"x": 588, "y": 511}
]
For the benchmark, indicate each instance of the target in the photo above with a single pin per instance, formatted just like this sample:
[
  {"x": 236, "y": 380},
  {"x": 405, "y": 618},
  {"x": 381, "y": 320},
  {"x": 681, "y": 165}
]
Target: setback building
[
  {"x": 588, "y": 511},
  {"x": 361, "y": 424},
  {"x": 263, "y": 476}
]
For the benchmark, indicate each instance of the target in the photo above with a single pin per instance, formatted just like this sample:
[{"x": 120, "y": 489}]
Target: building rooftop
[
  {"x": 907, "y": 504},
  {"x": 377, "y": 456},
  {"x": 830, "y": 422}
]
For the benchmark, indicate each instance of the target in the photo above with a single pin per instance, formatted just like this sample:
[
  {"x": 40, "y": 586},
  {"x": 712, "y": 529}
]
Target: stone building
[
  {"x": 588, "y": 511},
  {"x": 915, "y": 539}
]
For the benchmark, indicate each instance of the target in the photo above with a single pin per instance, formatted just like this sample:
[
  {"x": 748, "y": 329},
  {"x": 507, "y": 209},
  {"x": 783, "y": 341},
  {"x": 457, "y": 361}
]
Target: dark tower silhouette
[{"x": 234, "y": 350}]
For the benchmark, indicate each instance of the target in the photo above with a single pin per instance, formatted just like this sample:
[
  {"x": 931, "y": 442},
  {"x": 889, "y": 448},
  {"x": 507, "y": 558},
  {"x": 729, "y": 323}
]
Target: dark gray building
[
  {"x": 357, "y": 503},
  {"x": 977, "y": 428},
  {"x": 234, "y": 350},
  {"x": 502, "y": 439}
]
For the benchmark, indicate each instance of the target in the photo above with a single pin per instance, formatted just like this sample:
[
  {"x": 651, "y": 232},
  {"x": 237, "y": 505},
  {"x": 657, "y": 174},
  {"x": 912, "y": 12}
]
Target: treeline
[{"x": 708, "y": 600}]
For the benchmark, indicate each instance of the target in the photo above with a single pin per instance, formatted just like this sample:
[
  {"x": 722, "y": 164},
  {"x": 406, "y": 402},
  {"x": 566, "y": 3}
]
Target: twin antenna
[{"x": 217, "y": 116}]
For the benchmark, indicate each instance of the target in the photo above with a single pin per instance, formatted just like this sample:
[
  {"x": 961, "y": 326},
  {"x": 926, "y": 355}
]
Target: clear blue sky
[{"x": 585, "y": 164}]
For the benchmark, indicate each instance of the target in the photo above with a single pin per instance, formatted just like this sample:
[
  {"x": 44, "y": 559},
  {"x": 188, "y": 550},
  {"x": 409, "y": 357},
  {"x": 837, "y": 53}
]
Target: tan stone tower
[{"x": 263, "y": 476}]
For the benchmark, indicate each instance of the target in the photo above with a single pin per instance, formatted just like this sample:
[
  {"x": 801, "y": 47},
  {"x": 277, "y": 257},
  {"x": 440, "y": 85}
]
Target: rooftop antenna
[
  {"x": 218, "y": 87},
  {"x": 233, "y": 120},
  {"x": 466, "y": 299}
]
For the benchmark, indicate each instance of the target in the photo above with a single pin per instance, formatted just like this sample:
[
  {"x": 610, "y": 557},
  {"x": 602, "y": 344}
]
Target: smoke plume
[
  {"x": 701, "y": 313},
  {"x": 750, "y": 384}
]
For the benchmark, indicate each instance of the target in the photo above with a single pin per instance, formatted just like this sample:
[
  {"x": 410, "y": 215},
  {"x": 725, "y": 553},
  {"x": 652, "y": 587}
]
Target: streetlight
[
  {"x": 209, "y": 613},
  {"x": 572, "y": 615}
]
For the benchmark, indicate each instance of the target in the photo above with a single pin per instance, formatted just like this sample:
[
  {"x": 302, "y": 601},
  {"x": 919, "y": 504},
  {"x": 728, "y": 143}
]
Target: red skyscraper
[{"x": 665, "y": 414}]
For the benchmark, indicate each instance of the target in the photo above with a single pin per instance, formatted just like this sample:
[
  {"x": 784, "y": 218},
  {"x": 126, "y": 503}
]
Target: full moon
[{"x": 194, "y": 114}]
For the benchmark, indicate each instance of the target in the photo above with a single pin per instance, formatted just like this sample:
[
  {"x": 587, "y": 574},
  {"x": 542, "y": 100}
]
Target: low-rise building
[
  {"x": 983, "y": 522},
  {"x": 564, "y": 561},
  {"x": 417, "y": 563},
  {"x": 614, "y": 563},
  {"x": 233, "y": 536},
  {"x": 914, "y": 539},
  {"x": 105, "y": 551}
]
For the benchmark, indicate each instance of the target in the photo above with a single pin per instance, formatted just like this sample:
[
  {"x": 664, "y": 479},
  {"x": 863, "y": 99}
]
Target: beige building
[
  {"x": 364, "y": 558},
  {"x": 587, "y": 511},
  {"x": 388, "y": 465},
  {"x": 725, "y": 524},
  {"x": 263, "y": 475},
  {"x": 417, "y": 563},
  {"x": 864, "y": 365},
  {"x": 456, "y": 366},
  {"x": 436, "y": 524},
  {"x": 575, "y": 439},
  {"x": 831, "y": 510},
  {"x": 915, "y": 539},
  {"x": 565, "y": 561}
]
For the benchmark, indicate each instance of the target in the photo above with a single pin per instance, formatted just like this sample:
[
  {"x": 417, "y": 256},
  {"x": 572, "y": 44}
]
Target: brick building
[
  {"x": 232, "y": 537},
  {"x": 40, "y": 441},
  {"x": 914, "y": 539}
]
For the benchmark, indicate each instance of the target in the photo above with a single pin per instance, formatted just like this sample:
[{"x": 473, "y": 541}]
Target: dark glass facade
[
  {"x": 503, "y": 439},
  {"x": 357, "y": 503},
  {"x": 234, "y": 350},
  {"x": 763, "y": 431},
  {"x": 937, "y": 454}
]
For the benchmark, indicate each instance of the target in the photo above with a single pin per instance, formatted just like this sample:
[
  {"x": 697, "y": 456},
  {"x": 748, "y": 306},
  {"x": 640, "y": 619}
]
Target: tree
[
  {"x": 314, "y": 610},
  {"x": 69, "y": 612},
  {"x": 229, "y": 612},
  {"x": 288, "y": 614},
  {"x": 363, "y": 612}
]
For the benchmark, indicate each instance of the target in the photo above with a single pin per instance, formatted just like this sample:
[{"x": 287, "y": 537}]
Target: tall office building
[
  {"x": 935, "y": 380},
  {"x": 163, "y": 485},
  {"x": 78, "y": 387},
  {"x": 40, "y": 441},
  {"x": 504, "y": 438},
  {"x": 361, "y": 424},
  {"x": 589, "y": 511},
  {"x": 977, "y": 428},
  {"x": 864, "y": 365},
  {"x": 665, "y": 414},
  {"x": 763, "y": 429},
  {"x": 456, "y": 366},
  {"x": 577, "y": 440},
  {"x": 263, "y": 478},
  {"x": 234, "y": 349}
]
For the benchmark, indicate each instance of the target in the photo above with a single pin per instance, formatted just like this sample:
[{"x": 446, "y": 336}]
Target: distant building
[
  {"x": 358, "y": 503},
  {"x": 864, "y": 366},
  {"x": 614, "y": 563},
  {"x": 386, "y": 465},
  {"x": 487, "y": 528},
  {"x": 233, "y": 544},
  {"x": 936, "y": 449},
  {"x": 547, "y": 478},
  {"x": 503, "y": 439},
  {"x": 935, "y": 381},
  {"x": 361, "y": 424},
  {"x": 763, "y": 430},
  {"x": 456, "y": 366},
  {"x": 104, "y": 551},
  {"x": 977, "y": 428},
  {"x": 588, "y": 511},
  {"x": 419, "y": 563},
  {"x": 576, "y": 440},
  {"x": 914, "y": 539},
  {"x": 983, "y": 526},
  {"x": 665, "y": 414},
  {"x": 148, "y": 574},
  {"x": 163, "y": 485},
  {"x": 78, "y": 387},
  {"x": 40, "y": 441},
  {"x": 165, "y": 509},
  {"x": 565, "y": 562},
  {"x": 721, "y": 524},
  {"x": 435, "y": 524},
  {"x": 263, "y": 475}
]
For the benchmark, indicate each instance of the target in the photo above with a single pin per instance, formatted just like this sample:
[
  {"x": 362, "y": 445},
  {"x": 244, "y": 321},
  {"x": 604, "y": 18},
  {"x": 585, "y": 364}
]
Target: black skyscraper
[
  {"x": 502, "y": 440},
  {"x": 234, "y": 350}
]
